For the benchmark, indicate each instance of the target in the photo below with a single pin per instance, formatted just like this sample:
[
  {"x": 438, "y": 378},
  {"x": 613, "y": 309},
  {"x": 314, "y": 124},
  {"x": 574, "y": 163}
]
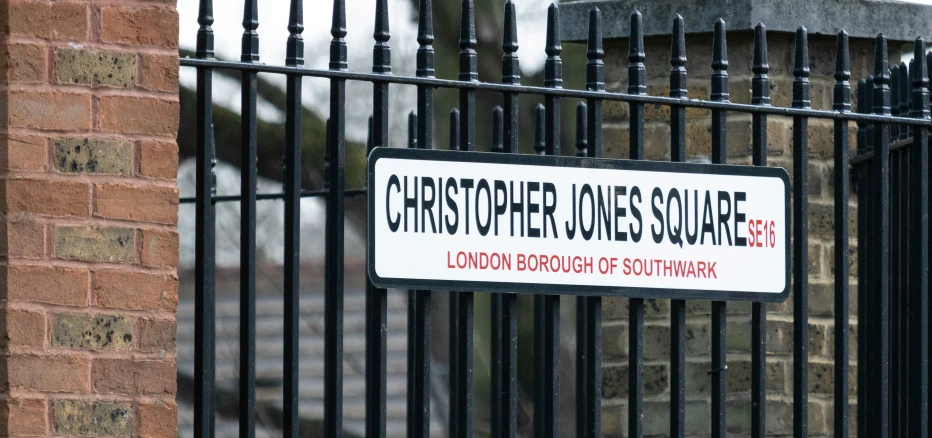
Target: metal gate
[{"x": 891, "y": 171}]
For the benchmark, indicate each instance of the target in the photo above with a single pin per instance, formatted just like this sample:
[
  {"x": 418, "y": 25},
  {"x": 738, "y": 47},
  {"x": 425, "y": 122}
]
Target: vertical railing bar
[
  {"x": 881, "y": 209},
  {"x": 294, "y": 57},
  {"x": 377, "y": 298},
  {"x": 205, "y": 244},
  {"x": 468, "y": 73},
  {"x": 678, "y": 89},
  {"x": 425, "y": 131},
  {"x": 801, "y": 239},
  {"x": 760, "y": 95},
  {"x": 453, "y": 315},
  {"x": 865, "y": 324},
  {"x": 637, "y": 86},
  {"x": 411, "y": 367},
  {"x": 842, "y": 98},
  {"x": 595, "y": 81},
  {"x": 496, "y": 373},
  {"x": 249, "y": 145},
  {"x": 333, "y": 277},
  {"x": 719, "y": 93},
  {"x": 907, "y": 268},
  {"x": 862, "y": 226},
  {"x": 511, "y": 74},
  {"x": 927, "y": 416},
  {"x": 918, "y": 392},
  {"x": 582, "y": 334},
  {"x": 895, "y": 252}
]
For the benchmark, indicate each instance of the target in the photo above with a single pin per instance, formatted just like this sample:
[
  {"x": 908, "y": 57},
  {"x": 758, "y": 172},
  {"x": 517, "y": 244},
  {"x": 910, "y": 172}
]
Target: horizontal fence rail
[{"x": 889, "y": 174}]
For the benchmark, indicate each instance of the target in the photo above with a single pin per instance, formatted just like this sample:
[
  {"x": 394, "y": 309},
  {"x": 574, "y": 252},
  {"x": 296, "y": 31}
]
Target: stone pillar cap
[{"x": 898, "y": 20}]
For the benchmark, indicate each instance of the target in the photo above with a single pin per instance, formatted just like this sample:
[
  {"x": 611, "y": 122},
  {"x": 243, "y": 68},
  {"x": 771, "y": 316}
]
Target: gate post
[
  {"x": 88, "y": 249},
  {"x": 901, "y": 23}
]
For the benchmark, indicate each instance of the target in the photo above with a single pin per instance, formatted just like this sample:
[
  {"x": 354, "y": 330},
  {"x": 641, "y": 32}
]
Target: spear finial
[
  {"x": 540, "y": 145},
  {"x": 294, "y": 52},
  {"x": 250, "y": 36}
]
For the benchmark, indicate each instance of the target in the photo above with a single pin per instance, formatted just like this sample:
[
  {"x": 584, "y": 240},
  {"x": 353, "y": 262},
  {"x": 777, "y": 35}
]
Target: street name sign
[{"x": 582, "y": 226}]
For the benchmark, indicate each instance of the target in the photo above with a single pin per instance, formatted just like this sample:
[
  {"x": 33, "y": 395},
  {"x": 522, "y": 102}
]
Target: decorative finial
[
  {"x": 636, "y": 72},
  {"x": 455, "y": 129},
  {"x": 920, "y": 103},
  {"x": 338, "y": 32},
  {"x": 595, "y": 78},
  {"x": 842, "y": 97},
  {"x": 581, "y": 128},
  {"x": 468, "y": 62},
  {"x": 250, "y": 36},
  {"x": 760, "y": 84},
  {"x": 511, "y": 73},
  {"x": 205, "y": 34},
  {"x": 719, "y": 91},
  {"x": 553, "y": 66},
  {"x": 412, "y": 130},
  {"x": 425, "y": 37},
  {"x": 498, "y": 117},
  {"x": 294, "y": 52}
]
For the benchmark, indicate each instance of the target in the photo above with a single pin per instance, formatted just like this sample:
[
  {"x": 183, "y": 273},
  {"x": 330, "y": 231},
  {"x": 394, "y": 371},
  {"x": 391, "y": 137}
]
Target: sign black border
[{"x": 575, "y": 162}]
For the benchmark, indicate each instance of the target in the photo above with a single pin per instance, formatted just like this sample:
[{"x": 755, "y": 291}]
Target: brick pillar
[
  {"x": 901, "y": 25},
  {"x": 89, "y": 207}
]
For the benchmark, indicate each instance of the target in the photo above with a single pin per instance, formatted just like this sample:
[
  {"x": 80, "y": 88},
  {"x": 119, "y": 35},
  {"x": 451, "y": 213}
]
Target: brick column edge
[{"x": 88, "y": 216}]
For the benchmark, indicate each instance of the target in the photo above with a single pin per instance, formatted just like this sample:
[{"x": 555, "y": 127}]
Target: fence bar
[
  {"x": 636, "y": 85},
  {"x": 918, "y": 391},
  {"x": 760, "y": 95},
  {"x": 468, "y": 73},
  {"x": 801, "y": 239},
  {"x": 881, "y": 262},
  {"x": 862, "y": 258},
  {"x": 543, "y": 91},
  {"x": 411, "y": 410},
  {"x": 205, "y": 239},
  {"x": 589, "y": 309},
  {"x": 247, "y": 281},
  {"x": 842, "y": 102},
  {"x": 294, "y": 56},
  {"x": 425, "y": 130},
  {"x": 453, "y": 315},
  {"x": 543, "y": 329},
  {"x": 496, "y": 374},
  {"x": 508, "y": 373},
  {"x": 376, "y": 298},
  {"x": 719, "y": 93},
  {"x": 333, "y": 277},
  {"x": 896, "y": 266},
  {"x": 905, "y": 88},
  {"x": 678, "y": 90}
]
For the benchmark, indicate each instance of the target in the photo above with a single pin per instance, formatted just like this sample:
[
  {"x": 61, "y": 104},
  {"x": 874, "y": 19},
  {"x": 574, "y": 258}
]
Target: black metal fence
[{"x": 893, "y": 231}]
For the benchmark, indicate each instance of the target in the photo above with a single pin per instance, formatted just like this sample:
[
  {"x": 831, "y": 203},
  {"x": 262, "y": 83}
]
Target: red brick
[
  {"x": 24, "y": 152},
  {"x": 136, "y": 290},
  {"x": 25, "y": 238},
  {"x": 159, "y": 73},
  {"x": 158, "y": 420},
  {"x": 25, "y": 63},
  {"x": 50, "y": 373},
  {"x": 145, "y": 26},
  {"x": 138, "y": 115},
  {"x": 137, "y": 203},
  {"x": 48, "y": 198},
  {"x": 156, "y": 335},
  {"x": 159, "y": 248},
  {"x": 27, "y": 416},
  {"x": 158, "y": 159},
  {"x": 35, "y": 18},
  {"x": 25, "y": 328},
  {"x": 133, "y": 376},
  {"x": 50, "y": 110},
  {"x": 52, "y": 285}
]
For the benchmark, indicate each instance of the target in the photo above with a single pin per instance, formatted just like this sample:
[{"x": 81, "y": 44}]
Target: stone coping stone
[{"x": 898, "y": 20}]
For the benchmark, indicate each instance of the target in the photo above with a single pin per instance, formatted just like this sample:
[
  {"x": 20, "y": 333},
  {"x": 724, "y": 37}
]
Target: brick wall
[
  {"x": 88, "y": 120},
  {"x": 821, "y": 235}
]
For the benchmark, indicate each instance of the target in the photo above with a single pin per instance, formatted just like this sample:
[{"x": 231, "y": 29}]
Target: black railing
[{"x": 893, "y": 231}]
